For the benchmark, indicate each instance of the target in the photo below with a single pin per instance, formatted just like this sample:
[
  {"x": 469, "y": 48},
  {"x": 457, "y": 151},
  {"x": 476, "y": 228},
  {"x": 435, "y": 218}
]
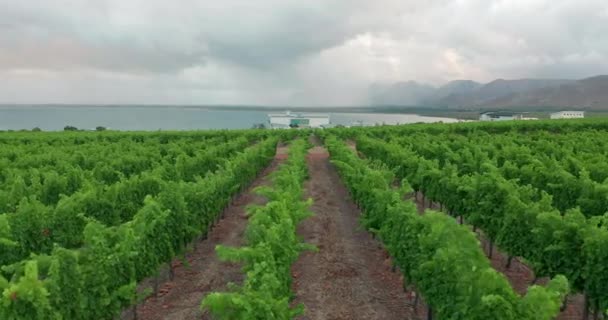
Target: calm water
[{"x": 167, "y": 118}]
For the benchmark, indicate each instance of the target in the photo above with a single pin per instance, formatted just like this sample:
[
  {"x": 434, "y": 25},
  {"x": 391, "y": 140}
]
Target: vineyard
[
  {"x": 428, "y": 221},
  {"x": 88, "y": 216}
]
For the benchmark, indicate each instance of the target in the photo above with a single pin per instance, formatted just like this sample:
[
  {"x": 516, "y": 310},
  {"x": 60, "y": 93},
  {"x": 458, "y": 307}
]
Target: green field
[{"x": 86, "y": 216}]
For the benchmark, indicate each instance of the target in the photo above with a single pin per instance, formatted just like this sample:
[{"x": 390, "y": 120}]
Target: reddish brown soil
[
  {"x": 519, "y": 274},
  {"x": 180, "y": 298},
  {"x": 349, "y": 277}
]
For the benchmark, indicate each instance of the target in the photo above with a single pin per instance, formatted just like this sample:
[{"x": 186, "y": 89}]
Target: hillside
[
  {"x": 456, "y": 87},
  {"x": 497, "y": 89},
  {"x": 400, "y": 93},
  {"x": 589, "y": 93}
]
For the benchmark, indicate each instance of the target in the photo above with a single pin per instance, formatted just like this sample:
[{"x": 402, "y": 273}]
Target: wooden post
[
  {"x": 491, "y": 249},
  {"x": 156, "y": 286},
  {"x": 508, "y": 266},
  {"x": 429, "y": 313},
  {"x": 586, "y": 308},
  {"x": 596, "y": 311},
  {"x": 564, "y": 304}
]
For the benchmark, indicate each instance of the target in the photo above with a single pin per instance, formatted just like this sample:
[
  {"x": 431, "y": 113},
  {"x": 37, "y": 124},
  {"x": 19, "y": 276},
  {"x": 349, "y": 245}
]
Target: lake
[{"x": 168, "y": 118}]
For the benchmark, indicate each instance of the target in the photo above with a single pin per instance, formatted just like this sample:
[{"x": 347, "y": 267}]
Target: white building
[
  {"x": 568, "y": 115},
  {"x": 527, "y": 118},
  {"x": 499, "y": 116},
  {"x": 298, "y": 120}
]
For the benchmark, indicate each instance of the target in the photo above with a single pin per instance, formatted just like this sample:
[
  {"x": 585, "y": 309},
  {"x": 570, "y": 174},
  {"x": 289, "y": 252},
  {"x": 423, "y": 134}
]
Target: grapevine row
[
  {"x": 517, "y": 218},
  {"x": 572, "y": 181},
  {"x": 35, "y": 227},
  {"x": 98, "y": 280},
  {"x": 272, "y": 246},
  {"x": 440, "y": 258},
  {"x": 49, "y": 171}
]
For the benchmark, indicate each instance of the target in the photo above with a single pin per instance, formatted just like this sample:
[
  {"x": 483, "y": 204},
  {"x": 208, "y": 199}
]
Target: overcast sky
[{"x": 284, "y": 52}]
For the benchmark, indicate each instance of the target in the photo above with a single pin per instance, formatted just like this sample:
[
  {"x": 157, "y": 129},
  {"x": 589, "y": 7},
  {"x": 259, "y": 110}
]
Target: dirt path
[
  {"x": 520, "y": 276},
  {"x": 180, "y": 299},
  {"x": 349, "y": 277}
]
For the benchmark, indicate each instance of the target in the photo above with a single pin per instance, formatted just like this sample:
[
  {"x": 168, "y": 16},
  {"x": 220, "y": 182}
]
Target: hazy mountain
[
  {"x": 589, "y": 93},
  {"x": 456, "y": 87},
  {"x": 408, "y": 93},
  {"x": 495, "y": 90},
  {"x": 411, "y": 93}
]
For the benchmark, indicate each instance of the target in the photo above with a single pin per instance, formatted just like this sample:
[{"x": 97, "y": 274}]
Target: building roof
[
  {"x": 298, "y": 115},
  {"x": 568, "y": 111},
  {"x": 499, "y": 113}
]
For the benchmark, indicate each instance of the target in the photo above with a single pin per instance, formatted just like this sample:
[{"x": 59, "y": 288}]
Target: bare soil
[
  {"x": 180, "y": 298},
  {"x": 520, "y": 275},
  {"x": 350, "y": 276}
]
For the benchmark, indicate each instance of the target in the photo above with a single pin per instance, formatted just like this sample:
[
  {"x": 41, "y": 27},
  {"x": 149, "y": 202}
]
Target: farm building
[
  {"x": 298, "y": 120},
  {"x": 568, "y": 115},
  {"x": 499, "y": 116}
]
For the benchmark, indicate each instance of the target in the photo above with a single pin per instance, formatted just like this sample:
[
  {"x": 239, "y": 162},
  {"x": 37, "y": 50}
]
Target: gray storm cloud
[{"x": 316, "y": 52}]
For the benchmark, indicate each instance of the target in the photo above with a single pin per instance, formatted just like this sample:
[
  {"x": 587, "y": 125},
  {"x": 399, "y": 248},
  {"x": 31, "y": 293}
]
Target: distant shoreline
[
  {"x": 333, "y": 109},
  {"x": 456, "y": 113}
]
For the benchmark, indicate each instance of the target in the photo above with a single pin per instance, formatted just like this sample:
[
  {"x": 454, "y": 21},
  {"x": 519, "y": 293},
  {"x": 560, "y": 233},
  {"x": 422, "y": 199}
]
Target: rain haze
[{"x": 274, "y": 52}]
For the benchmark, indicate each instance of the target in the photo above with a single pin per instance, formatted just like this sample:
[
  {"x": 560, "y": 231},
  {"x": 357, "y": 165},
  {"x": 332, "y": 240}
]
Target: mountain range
[{"x": 589, "y": 93}]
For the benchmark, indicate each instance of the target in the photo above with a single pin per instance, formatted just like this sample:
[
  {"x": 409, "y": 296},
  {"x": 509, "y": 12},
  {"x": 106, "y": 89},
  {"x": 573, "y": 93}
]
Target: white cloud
[{"x": 284, "y": 51}]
